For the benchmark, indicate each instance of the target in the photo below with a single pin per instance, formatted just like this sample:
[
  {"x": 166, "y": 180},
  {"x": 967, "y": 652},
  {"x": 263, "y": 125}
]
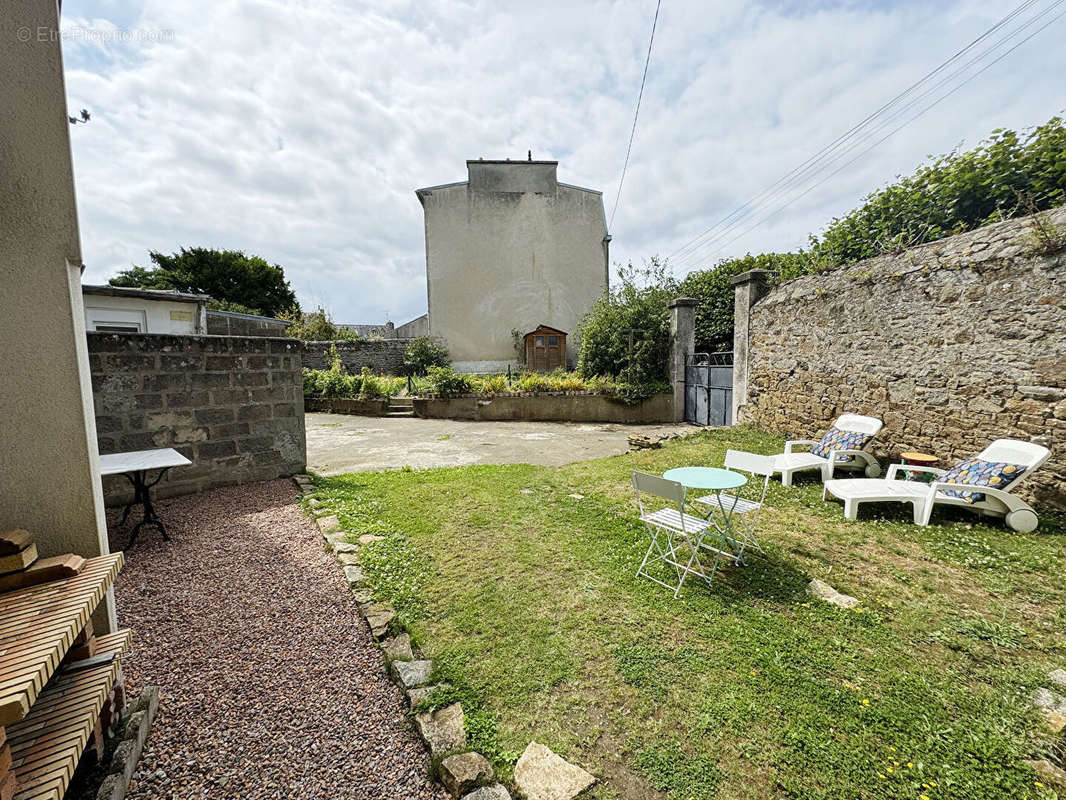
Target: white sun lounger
[
  {"x": 1018, "y": 515},
  {"x": 788, "y": 463}
]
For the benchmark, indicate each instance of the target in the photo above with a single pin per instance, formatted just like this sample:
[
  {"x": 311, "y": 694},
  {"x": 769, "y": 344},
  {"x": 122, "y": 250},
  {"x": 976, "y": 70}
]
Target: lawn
[{"x": 526, "y": 599}]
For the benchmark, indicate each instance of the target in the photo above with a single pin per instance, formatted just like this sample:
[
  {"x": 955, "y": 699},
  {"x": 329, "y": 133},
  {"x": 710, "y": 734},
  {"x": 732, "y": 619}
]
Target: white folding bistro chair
[
  {"x": 672, "y": 530},
  {"x": 742, "y": 513}
]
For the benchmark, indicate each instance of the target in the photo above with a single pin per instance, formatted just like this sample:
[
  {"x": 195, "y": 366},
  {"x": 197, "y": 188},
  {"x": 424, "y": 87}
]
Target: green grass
[{"x": 526, "y": 599}]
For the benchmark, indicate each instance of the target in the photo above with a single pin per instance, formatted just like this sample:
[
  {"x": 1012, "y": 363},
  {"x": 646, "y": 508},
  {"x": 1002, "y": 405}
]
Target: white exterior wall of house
[
  {"x": 49, "y": 472},
  {"x": 149, "y": 315},
  {"x": 508, "y": 250}
]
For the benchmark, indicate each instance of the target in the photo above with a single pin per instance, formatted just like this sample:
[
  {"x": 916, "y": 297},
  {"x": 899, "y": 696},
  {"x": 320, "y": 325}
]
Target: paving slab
[{"x": 340, "y": 443}]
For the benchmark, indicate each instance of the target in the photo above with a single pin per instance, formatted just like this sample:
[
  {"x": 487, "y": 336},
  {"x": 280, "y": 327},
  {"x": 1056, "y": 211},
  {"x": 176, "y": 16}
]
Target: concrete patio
[{"x": 337, "y": 443}]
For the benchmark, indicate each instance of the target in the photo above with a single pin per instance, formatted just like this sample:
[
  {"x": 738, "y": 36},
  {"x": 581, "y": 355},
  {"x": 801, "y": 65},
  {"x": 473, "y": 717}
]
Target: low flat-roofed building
[{"x": 131, "y": 310}]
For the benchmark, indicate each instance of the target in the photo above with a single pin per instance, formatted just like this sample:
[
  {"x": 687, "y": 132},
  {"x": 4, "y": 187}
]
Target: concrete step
[{"x": 400, "y": 413}]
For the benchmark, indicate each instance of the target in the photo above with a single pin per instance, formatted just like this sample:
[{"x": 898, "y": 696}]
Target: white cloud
[{"x": 299, "y": 131}]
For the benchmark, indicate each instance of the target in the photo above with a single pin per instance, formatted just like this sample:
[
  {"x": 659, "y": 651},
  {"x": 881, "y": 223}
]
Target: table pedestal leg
[{"x": 142, "y": 496}]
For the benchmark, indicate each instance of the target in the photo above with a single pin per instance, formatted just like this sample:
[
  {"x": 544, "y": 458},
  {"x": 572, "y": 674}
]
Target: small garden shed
[{"x": 545, "y": 349}]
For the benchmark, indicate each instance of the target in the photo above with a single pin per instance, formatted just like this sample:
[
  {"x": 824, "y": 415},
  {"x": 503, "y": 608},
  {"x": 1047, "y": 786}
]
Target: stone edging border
[
  {"x": 539, "y": 774},
  {"x": 136, "y": 722}
]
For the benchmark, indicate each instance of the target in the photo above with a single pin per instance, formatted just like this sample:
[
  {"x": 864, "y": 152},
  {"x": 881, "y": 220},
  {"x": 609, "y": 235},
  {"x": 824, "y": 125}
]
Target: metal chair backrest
[
  {"x": 857, "y": 422},
  {"x": 659, "y": 487},
  {"x": 1015, "y": 451},
  {"x": 753, "y": 464}
]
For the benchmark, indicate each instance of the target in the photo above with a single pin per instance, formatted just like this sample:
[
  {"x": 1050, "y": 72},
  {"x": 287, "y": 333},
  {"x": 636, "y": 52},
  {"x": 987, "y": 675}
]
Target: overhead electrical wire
[
  {"x": 788, "y": 178},
  {"x": 697, "y": 248},
  {"x": 847, "y": 164},
  {"x": 636, "y": 113}
]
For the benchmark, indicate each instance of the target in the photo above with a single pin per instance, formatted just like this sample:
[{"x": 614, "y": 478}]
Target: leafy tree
[
  {"x": 713, "y": 288},
  {"x": 626, "y": 335},
  {"x": 422, "y": 354},
  {"x": 315, "y": 326},
  {"x": 233, "y": 279}
]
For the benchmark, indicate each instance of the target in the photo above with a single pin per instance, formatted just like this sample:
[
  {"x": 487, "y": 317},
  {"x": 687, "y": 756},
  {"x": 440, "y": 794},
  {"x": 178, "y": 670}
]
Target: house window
[
  {"x": 116, "y": 328},
  {"x": 540, "y": 341},
  {"x": 553, "y": 341}
]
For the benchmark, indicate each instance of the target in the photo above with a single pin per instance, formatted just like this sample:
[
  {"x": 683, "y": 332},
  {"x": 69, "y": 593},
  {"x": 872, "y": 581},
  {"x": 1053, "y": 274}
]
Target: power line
[
  {"x": 772, "y": 189},
  {"x": 640, "y": 96},
  {"x": 895, "y": 130},
  {"x": 814, "y": 163},
  {"x": 704, "y": 246}
]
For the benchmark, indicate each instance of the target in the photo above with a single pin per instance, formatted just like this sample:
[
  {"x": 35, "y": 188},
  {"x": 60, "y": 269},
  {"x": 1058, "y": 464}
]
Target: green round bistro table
[
  {"x": 717, "y": 480},
  {"x": 714, "y": 478}
]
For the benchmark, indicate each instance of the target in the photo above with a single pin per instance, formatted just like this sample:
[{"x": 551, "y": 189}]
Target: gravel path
[{"x": 270, "y": 685}]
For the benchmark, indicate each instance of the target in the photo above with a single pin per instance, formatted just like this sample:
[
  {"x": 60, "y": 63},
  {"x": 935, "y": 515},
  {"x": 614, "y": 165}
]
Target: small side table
[
  {"x": 919, "y": 460},
  {"x": 136, "y": 465}
]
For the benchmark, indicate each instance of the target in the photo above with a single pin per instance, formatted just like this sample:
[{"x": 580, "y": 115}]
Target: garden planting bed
[
  {"x": 368, "y": 407},
  {"x": 546, "y": 407}
]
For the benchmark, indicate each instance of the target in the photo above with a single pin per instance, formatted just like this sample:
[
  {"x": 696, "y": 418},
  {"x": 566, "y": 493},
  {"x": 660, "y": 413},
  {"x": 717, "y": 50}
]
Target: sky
[{"x": 298, "y": 130}]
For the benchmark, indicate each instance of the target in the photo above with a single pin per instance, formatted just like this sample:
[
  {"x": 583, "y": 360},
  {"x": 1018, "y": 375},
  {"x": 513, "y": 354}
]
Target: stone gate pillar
[
  {"x": 748, "y": 287},
  {"x": 682, "y": 345}
]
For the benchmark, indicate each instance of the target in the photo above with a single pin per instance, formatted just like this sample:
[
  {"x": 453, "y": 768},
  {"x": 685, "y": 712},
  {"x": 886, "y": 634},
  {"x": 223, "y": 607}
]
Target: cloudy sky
[{"x": 298, "y": 130}]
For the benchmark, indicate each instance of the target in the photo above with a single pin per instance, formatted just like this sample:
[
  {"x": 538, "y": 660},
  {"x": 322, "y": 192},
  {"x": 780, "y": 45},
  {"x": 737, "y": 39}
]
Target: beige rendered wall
[
  {"x": 511, "y": 259},
  {"x": 49, "y": 472}
]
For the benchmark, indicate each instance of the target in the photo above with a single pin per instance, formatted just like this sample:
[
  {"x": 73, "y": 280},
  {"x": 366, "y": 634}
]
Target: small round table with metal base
[{"x": 716, "y": 480}]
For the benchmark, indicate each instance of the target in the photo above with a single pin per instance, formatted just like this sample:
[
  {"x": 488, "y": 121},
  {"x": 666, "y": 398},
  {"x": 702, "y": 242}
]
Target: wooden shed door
[{"x": 545, "y": 351}]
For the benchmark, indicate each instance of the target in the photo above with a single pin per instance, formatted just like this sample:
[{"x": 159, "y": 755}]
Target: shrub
[
  {"x": 533, "y": 382},
  {"x": 632, "y": 394},
  {"x": 334, "y": 384},
  {"x": 626, "y": 335},
  {"x": 446, "y": 382},
  {"x": 1005, "y": 176},
  {"x": 316, "y": 326},
  {"x": 422, "y": 354},
  {"x": 714, "y": 290},
  {"x": 493, "y": 384}
]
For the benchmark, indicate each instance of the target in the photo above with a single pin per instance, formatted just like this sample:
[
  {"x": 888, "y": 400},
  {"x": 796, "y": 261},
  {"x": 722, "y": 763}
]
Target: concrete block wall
[
  {"x": 953, "y": 344},
  {"x": 233, "y": 405},
  {"x": 226, "y": 323}
]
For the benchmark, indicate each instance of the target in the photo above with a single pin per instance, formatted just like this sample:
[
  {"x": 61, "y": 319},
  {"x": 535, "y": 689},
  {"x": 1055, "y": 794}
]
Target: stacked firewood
[{"x": 20, "y": 567}]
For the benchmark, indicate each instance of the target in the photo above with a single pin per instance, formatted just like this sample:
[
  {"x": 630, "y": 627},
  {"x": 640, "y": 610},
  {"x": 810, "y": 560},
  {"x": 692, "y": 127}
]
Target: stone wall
[
  {"x": 952, "y": 344},
  {"x": 233, "y": 405},
  {"x": 385, "y": 355}
]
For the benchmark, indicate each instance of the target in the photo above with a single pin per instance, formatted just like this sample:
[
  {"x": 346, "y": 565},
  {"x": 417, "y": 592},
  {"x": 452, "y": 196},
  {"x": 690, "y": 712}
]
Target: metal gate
[{"x": 709, "y": 388}]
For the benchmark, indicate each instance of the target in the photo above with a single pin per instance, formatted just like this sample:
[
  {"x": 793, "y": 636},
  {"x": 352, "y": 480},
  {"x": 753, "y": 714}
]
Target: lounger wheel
[
  {"x": 1024, "y": 520},
  {"x": 873, "y": 470}
]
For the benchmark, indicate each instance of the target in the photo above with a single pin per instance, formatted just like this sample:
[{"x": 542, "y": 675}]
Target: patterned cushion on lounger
[
  {"x": 997, "y": 474},
  {"x": 836, "y": 439}
]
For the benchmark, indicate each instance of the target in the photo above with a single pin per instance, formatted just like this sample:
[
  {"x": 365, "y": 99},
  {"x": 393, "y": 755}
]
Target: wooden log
[
  {"x": 43, "y": 570},
  {"x": 20, "y": 560},
  {"x": 13, "y": 541}
]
